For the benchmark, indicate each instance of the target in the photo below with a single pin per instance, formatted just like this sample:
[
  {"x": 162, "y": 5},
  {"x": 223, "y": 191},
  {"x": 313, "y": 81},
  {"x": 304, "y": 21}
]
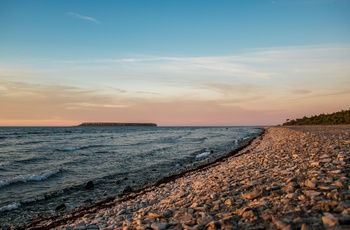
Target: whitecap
[
  {"x": 29, "y": 177},
  {"x": 70, "y": 149},
  {"x": 203, "y": 155},
  {"x": 10, "y": 207}
]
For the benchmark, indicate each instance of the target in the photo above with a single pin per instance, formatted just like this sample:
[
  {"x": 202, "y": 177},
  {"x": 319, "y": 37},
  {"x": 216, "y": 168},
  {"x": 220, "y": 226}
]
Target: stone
[
  {"x": 308, "y": 183},
  {"x": 61, "y": 207},
  {"x": 159, "y": 226},
  {"x": 344, "y": 220},
  {"x": 213, "y": 225},
  {"x": 156, "y": 215},
  {"x": 324, "y": 156},
  {"x": 329, "y": 220},
  {"x": 229, "y": 202},
  {"x": 204, "y": 220},
  {"x": 291, "y": 187},
  {"x": 292, "y": 196},
  {"x": 127, "y": 189},
  {"x": 248, "y": 214},
  {"x": 167, "y": 213},
  {"x": 310, "y": 193},
  {"x": 251, "y": 195},
  {"x": 90, "y": 185}
]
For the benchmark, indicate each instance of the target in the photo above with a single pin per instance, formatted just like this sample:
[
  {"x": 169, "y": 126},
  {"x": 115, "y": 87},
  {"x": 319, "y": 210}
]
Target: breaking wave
[{"x": 29, "y": 177}]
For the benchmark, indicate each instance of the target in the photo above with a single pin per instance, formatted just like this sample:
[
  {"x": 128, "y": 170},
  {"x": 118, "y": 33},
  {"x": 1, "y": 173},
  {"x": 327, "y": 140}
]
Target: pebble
[{"x": 289, "y": 178}]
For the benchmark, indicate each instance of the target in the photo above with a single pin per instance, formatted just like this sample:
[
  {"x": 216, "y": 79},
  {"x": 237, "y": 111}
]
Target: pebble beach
[{"x": 287, "y": 178}]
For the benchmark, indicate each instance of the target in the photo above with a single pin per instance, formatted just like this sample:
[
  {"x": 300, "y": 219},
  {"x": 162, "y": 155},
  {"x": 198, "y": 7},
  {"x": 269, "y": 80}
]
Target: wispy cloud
[
  {"x": 309, "y": 79},
  {"x": 83, "y": 17}
]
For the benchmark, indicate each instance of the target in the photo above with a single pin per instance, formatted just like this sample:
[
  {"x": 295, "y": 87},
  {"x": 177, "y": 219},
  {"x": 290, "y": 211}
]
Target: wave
[
  {"x": 203, "y": 155},
  {"x": 71, "y": 148},
  {"x": 10, "y": 207},
  {"x": 29, "y": 177},
  {"x": 30, "y": 159}
]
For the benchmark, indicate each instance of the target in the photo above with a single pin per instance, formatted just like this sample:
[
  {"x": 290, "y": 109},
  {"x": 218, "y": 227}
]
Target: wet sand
[{"x": 288, "y": 178}]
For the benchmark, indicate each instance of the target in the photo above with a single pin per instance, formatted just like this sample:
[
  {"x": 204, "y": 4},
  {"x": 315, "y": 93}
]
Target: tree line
[{"x": 338, "y": 118}]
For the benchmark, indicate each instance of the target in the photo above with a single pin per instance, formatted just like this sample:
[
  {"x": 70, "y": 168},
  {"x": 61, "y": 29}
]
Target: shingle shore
[{"x": 289, "y": 178}]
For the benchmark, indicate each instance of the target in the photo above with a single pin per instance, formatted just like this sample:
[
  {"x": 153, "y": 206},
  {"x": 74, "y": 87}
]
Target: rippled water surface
[{"x": 36, "y": 161}]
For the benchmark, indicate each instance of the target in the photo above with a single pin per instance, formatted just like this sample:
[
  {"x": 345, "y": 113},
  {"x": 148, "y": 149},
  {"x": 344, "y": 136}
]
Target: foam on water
[
  {"x": 203, "y": 155},
  {"x": 29, "y": 177},
  {"x": 10, "y": 207}
]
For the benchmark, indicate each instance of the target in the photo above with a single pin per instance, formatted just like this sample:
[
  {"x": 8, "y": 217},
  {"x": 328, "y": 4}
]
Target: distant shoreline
[{"x": 115, "y": 124}]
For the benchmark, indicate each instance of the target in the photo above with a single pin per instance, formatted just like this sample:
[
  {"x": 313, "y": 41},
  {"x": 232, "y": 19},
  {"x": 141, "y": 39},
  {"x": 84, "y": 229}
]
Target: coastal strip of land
[
  {"x": 115, "y": 124},
  {"x": 288, "y": 178}
]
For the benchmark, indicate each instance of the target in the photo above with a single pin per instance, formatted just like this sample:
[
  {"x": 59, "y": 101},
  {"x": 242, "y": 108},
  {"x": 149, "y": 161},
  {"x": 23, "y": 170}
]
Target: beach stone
[
  {"x": 159, "y": 226},
  {"x": 310, "y": 184},
  {"x": 156, "y": 215},
  {"x": 292, "y": 196},
  {"x": 90, "y": 185},
  {"x": 329, "y": 220},
  {"x": 204, "y": 220},
  {"x": 229, "y": 202},
  {"x": 344, "y": 220},
  {"x": 61, "y": 207},
  {"x": 248, "y": 214},
  {"x": 251, "y": 195},
  {"x": 213, "y": 225},
  {"x": 127, "y": 189},
  {"x": 311, "y": 193}
]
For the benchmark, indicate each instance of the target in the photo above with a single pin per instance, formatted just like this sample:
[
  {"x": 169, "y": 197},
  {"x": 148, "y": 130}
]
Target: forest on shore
[{"x": 338, "y": 118}]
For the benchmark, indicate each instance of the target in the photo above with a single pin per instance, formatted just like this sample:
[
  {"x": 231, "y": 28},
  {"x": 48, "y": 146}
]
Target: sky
[{"x": 172, "y": 62}]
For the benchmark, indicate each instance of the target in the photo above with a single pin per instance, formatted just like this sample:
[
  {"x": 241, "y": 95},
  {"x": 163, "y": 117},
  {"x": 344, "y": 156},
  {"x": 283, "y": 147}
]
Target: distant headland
[{"x": 115, "y": 124}]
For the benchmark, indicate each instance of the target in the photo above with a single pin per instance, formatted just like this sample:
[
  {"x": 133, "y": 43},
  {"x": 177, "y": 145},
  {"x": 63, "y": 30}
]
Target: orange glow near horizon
[{"x": 208, "y": 91}]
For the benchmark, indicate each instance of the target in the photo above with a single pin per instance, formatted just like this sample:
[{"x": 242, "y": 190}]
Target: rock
[
  {"x": 291, "y": 187},
  {"x": 229, "y": 202},
  {"x": 213, "y": 225},
  {"x": 305, "y": 226},
  {"x": 308, "y": 183},
  {"x": 248, "y": 214},
  {"x": 90, "y": 185},
  {"x": 156, "y": 215},
  {"x": 127, "y": 189},
  {"x": 324, "y": 156},
  {"x": 292, "y": 196},
  {"x": 344, "y": 220},
  {"x": 204, "y": 220},
  {"x": 311, "y": 193},
  {"x": 329, "y": 220},
  {"x": 61, "y": 207},
  {"x": 159, "y": 226},
  {"x": 251, "y": 195},
  {"x": 167, "y": 213}
]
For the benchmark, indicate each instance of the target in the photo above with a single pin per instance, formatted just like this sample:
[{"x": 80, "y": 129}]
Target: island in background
[{"x": 115, "y": 124}]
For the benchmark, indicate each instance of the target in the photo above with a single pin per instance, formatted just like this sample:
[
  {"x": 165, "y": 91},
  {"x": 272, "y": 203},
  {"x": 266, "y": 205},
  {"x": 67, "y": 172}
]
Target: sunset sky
[{"x": 172, "y": 62}]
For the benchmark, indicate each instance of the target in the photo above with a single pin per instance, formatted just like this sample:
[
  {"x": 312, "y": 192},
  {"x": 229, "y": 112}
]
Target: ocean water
[{"x": 42, "y": 167}]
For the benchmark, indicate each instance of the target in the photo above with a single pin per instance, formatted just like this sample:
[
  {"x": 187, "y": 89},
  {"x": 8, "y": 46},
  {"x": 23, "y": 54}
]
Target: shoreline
[
  {"x": 287, "y": 178},
  {"x": 128, "y": 195}
]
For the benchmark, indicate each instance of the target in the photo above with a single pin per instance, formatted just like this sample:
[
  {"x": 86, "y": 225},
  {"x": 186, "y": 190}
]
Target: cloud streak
[
  {"x": 271, "y": 84},
  {"x": 83, "y": 17}
]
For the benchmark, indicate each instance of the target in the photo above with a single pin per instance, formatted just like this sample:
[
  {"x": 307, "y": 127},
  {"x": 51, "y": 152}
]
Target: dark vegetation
[{"x": 337, "y": 118}]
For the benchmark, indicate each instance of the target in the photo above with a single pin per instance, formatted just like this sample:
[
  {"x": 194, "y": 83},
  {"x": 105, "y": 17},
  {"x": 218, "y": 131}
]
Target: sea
[{"x": 45, "y": 170}]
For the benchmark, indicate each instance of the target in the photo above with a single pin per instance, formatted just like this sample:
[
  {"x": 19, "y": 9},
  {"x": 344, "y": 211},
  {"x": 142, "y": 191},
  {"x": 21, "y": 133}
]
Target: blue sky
[{"x": 147, "y": 60}]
